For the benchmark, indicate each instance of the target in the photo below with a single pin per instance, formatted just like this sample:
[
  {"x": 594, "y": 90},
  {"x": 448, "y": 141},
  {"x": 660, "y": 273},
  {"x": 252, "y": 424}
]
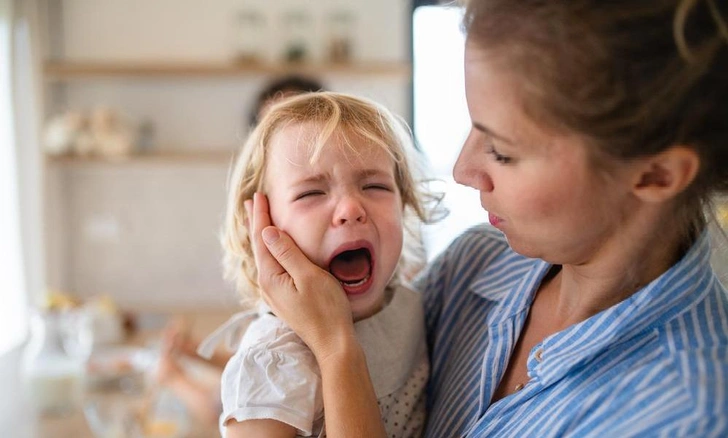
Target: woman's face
[{"x": 540, "y": 187}]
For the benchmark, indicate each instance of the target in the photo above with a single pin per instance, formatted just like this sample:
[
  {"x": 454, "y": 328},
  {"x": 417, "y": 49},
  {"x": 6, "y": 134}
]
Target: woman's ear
[{"x": 665, "y": 175}]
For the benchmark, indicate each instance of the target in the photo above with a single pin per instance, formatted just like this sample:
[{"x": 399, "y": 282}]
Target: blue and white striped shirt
[{"x": 656, "y": 364}]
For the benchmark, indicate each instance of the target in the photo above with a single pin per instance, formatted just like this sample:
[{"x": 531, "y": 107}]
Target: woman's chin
[{"x": 517, "y": 245}]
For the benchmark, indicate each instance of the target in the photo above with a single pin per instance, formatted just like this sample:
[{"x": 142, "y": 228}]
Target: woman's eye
[
  {"x": 490, "y": 149},
  {"x": 309, "y": 194},
  {"x": 503, "y": 159}
]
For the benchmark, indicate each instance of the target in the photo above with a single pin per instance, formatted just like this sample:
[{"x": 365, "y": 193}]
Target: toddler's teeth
[{"x": 358, "y": 283}]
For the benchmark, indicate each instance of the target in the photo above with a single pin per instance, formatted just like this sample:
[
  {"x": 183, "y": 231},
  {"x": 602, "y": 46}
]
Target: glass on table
[{"x": 52, "y": 377}]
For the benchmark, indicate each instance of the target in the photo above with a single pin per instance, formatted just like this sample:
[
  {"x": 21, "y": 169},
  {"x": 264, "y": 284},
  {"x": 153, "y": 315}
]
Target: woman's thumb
[
  {"x": 270, "y": 236},
  {"x": 285, "y": 251}
]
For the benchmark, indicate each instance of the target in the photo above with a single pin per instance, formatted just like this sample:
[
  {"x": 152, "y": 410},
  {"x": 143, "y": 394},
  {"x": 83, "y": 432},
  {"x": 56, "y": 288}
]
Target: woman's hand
[{"x": 309, "y": 299}]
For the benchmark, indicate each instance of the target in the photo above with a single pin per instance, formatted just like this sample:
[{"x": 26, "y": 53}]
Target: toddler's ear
[{"x": 664, "y": 176}]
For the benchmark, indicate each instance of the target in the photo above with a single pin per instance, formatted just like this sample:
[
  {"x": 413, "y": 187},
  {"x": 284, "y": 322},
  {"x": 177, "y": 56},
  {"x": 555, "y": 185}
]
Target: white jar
[{"x": 52, "y": 378}]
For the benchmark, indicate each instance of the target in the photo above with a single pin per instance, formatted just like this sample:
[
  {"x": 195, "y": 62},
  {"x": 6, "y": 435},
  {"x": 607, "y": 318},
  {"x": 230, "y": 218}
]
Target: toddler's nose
[{"x": 349, "y": 210}]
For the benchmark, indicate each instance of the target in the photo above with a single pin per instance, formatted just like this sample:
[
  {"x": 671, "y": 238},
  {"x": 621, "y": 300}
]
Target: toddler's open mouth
[{"x": 353, "y": 269}]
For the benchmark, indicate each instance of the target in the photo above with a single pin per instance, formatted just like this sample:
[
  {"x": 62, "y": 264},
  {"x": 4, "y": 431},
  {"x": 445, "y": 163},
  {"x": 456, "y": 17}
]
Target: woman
[{"x": 589, "y": 307}]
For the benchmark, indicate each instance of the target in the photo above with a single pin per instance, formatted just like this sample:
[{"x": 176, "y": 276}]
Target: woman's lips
[{"x": 494, "y": 220}]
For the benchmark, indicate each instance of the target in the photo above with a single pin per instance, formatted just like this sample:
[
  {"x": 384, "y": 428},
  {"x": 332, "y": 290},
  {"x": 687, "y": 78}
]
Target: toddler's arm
[{"x": 259, "y": 428}]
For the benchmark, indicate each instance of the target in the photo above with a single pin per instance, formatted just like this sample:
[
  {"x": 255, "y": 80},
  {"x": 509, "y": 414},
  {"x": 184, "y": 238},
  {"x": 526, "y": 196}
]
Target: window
[
  {"x": 441, "y": 121},
  {"x": 12, "y": 280}
]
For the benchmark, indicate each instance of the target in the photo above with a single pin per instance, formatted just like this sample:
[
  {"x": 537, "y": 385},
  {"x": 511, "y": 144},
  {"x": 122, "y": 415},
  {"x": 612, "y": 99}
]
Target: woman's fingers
[
  {"x": 259, "y": 218},
  {"x": 308, "y": 298},
  {"x": 316, "y": 307},
  {"x": 278, "y": 258},
  {"x": 284, "y": 250}
]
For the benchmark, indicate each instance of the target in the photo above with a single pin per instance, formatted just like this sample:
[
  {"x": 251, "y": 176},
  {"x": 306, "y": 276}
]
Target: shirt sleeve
[{"x": 274, "y": 379}]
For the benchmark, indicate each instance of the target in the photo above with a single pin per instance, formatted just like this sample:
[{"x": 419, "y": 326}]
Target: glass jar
[
  {"x": 52, "y": 377},
  {"x": 298, "y": 30},
  {"x": 251, "y": 38},
  {"x": 340, "y": 41}
]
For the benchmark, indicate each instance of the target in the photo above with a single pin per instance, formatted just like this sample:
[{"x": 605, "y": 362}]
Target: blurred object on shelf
[
  {"x": 103, "y": 132},
  {"x": 62, "y": 132},
  {"x": 84, "y": 144},
  {"x": 298, "y": 30},
  {"x": 145, "y": 142},
  {"x": 341, "y": 31},
  {"x": 251, "y": 36},
  {"x": 52, "y": 377},
  {"x": 113, "y": 134},
  {"x": 57, "y": 300}
]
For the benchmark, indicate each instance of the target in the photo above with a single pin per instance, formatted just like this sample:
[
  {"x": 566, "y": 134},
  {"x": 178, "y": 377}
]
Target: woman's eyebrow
[{"x": 490, "y": 132}]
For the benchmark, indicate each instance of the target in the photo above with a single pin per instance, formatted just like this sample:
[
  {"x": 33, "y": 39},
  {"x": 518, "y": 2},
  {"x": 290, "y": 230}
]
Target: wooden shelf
[
  {"x": 60, "y": 71},
  {"x": 162, "y": 157}
]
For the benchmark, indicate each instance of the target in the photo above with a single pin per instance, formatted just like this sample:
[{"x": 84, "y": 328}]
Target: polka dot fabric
[{"x": 403, "y": 411}]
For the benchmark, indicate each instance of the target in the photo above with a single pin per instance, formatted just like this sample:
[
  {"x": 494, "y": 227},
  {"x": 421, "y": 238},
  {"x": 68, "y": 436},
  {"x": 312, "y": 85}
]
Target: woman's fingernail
[{"x": 270, "y": 235}]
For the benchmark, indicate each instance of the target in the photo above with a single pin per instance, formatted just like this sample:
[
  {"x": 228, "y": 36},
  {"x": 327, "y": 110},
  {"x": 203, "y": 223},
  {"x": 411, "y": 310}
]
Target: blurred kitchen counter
[{"x": 19, "y": 420}]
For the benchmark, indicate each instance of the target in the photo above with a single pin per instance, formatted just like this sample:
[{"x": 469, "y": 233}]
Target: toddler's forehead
[{"x": 301, "y": 145}]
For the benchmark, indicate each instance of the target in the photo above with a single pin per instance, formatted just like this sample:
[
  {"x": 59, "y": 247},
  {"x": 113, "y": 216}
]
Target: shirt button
[{"x": 539, "y": 355}]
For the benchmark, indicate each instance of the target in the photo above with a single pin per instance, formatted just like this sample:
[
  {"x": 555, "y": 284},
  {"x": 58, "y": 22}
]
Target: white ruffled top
[{"x": 273, "y": 374}]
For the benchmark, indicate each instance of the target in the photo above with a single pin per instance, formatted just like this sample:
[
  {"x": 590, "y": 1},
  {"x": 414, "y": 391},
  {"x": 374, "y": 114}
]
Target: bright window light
[
  {"x": 441, "y": 120},
  {"x": 12, "y": 284}
]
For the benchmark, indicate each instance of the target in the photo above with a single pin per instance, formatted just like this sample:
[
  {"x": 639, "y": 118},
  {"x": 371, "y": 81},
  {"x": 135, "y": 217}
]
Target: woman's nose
[
  {"x": 349, "y": 210},
  {"x": 470, "y": 167}
]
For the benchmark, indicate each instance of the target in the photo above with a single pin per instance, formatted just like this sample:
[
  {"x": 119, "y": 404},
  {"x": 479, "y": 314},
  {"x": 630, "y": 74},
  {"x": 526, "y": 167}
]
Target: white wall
[{"x": 146, "y": 233}]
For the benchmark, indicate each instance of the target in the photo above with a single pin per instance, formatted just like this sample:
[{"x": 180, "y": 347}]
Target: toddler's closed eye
[
  {"x": 309, "y": 194},
  {"x": 378, "y": 187}
]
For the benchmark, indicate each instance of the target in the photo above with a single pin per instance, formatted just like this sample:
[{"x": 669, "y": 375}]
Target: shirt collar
[{"x": 510, "y": 280}]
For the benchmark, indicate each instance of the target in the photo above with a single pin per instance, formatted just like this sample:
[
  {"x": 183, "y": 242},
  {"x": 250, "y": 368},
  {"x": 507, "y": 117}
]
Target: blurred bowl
[
  {"x": 112, "y": 416},
  {"x": 123, "y": 367}
]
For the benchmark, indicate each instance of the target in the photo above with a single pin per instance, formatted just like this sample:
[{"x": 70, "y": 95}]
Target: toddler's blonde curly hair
[{"x": 338, "y": 114}]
